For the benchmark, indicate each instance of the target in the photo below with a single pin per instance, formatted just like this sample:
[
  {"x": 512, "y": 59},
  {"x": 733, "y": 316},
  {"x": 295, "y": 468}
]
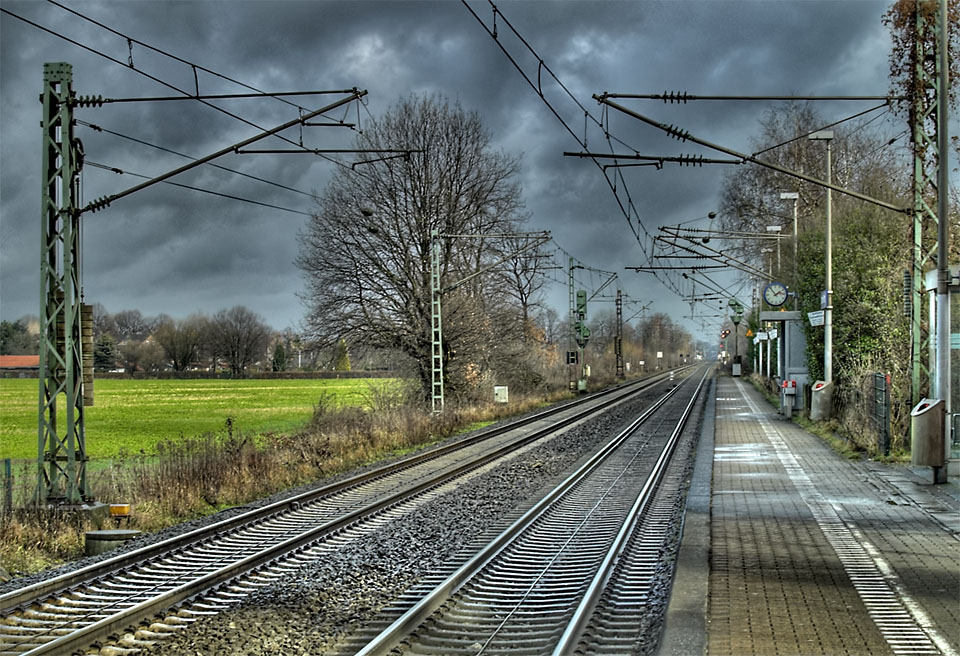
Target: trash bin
[
  {"x": 821, "y": 400},
  {"x": 926, "y": 430}
]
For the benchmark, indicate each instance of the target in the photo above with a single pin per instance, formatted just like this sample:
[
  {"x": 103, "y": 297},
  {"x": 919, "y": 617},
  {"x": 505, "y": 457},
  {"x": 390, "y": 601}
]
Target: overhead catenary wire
[
  {"x": 827, "y": 127},
  {"x": 119, "y": 171},
  {"x": 538, "y": 88},
  {"x": 131, "y": 40},
  {"x": 223, "y": 96},
  {"x": 106, "y": 200},
  {"x": 97, "y": 128},
  {"x": 684, "y": 135},
  {"x": 682, "y": 97},
  {"x": 154, "y": 78}
]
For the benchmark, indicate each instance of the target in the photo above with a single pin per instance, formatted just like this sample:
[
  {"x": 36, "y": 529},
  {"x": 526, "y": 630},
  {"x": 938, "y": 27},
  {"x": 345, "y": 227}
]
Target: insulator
[
  {"x": 78, "y": 153},
  {"x": 676, "y": 132},
  {"x": 99, "y": 204},
  {"x": 89, "y": 101},
  {"x": 679, "y": 97}
]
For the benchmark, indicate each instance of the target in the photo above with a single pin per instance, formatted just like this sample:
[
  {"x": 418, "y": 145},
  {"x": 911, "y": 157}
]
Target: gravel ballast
[{"x": 326, "y": 600}]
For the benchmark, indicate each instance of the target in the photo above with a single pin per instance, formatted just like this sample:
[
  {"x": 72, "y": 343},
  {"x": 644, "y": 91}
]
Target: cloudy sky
[{"x": 176, "y": 251}]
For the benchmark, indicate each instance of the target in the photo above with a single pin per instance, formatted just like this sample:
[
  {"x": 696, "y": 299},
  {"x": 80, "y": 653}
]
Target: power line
[
  {"x": 130, "y": 41},
  {"x": 223, "y": 96},
  {"x": 118, "y": 171},
  {"x": 106, "y": 200},
  {"x": 827, "y": 127},
  {"x": 684, "y": 135},
  {"x": 538, "y": 88},
  {"x": 682, "y": 97},
  {"x": 154, "y": 78},
  {"x": 98, "y": 128}
]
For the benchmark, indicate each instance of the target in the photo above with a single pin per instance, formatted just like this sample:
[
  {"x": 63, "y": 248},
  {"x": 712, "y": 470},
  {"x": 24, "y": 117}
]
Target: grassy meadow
[{"x": 133, "y": 415}]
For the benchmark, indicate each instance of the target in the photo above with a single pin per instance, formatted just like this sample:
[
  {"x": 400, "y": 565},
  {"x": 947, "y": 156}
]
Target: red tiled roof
[{"x": 10, "y": 361}]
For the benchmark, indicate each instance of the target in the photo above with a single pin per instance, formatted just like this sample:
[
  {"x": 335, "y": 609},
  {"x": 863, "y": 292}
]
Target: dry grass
[{"x": 193, "y": 477}]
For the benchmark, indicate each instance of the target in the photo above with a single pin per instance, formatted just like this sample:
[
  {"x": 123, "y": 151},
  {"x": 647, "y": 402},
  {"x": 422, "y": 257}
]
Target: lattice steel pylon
[
  {"x": 926, "y": 163},
  {"x": 61, "y": 448},
  {"x": 436, "y": 324},
  {"x": 618, "y": 344}
]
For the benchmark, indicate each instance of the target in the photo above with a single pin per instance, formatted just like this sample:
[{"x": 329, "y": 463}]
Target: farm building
[{"x": 19, "y": 366}]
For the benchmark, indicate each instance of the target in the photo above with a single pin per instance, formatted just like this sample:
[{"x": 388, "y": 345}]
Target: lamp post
[
  {"x": 827, "y": 135},
  {"x": 776, "y": 229},
  {"x": 795, "y": 197},
  {"x": 769, "y": 259}
]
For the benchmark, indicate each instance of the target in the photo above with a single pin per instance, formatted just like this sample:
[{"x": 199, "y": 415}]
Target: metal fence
[{"x": 865, "y": 412}]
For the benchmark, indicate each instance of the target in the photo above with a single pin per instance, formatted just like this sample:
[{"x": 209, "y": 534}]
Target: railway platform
[{"x": 789, "y": 548}]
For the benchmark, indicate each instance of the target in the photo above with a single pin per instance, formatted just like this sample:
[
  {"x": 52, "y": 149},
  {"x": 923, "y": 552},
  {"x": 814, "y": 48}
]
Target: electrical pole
[
  {"x": 437, "y": 291},
  {"x": 618, "y": 345},
  {"x": 61, "y": 445},
  {"x": 827, "y": 135},
  {"x": 573, "y": 319},
  {"x": 436, "y": 332},
  {"x": 926, "y": 157},
  {"x": 943, "y": 244}
]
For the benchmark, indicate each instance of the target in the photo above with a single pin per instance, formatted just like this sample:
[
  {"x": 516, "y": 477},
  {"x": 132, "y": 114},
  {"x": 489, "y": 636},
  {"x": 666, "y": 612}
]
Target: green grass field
[{"x": 130, "y": 415}]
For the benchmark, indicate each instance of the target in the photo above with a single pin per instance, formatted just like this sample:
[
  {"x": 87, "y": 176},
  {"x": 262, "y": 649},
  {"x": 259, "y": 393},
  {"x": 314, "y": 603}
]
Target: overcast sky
[{"x": 176, "y": 251}]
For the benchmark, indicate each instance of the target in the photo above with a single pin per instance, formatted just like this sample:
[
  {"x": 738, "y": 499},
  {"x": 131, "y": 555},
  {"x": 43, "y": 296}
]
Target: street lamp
[
  {"x": 769, "y": 261},
  {"x": 795, "y": 197},
  {"x": 827, "y": 135},
  {"x": 777, "y": 230}
]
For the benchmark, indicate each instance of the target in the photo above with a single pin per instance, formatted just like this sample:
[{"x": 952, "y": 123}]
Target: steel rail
[
  {"x": 584, "y": 612},
  {"x": 82, "y": 637},
  {"x": 402, "y": 627},
  {"x": 10, "y": 601}
]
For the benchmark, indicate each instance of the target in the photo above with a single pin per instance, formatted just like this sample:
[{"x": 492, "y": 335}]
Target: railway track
[
  {"x": 573, "y": 574},
  {"x": 208, "y": 569}
]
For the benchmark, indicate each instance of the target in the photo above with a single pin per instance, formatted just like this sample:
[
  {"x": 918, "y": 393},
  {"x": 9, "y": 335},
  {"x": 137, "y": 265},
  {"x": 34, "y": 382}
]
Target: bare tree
[
  {"x": 241, "y": 336},
  {"x": 523, "y": 280},
  {"x": 102, "y": 322},
  {"x": 131, "y": 324},
  {"x": 366, "y": 252},
  {"x": 181, "y": 340}
]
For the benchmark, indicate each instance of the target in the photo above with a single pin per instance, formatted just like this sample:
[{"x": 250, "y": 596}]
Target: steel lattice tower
[{"x": 62, "y": 457}]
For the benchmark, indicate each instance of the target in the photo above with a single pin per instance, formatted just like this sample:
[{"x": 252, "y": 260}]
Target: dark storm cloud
[{"x": 177, "y": 251}]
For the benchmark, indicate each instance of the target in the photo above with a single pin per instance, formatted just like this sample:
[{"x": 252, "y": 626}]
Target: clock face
[{"x": 775, "y": 293}]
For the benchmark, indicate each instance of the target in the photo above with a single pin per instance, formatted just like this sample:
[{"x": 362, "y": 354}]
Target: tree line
[{"x": 234, "y": 338}]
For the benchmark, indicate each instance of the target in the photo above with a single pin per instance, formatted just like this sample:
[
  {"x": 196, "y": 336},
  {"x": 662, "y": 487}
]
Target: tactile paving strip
[{"x": 788, "y": 574}]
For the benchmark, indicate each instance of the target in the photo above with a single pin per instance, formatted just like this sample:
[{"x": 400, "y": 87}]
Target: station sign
[{"x": 816, "y": 318}]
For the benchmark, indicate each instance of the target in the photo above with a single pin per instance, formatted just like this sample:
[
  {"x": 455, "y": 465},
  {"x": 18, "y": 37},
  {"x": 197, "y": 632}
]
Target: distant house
[{"x": 19, "y": 366}]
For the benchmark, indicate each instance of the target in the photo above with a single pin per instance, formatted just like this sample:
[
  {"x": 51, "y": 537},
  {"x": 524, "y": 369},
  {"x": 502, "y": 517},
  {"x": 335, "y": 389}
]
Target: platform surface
[{"x": 807, "y": 552}]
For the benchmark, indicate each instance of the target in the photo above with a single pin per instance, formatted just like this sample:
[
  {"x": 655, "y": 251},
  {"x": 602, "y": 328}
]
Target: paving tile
[{"x": 805, "y": 545}]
